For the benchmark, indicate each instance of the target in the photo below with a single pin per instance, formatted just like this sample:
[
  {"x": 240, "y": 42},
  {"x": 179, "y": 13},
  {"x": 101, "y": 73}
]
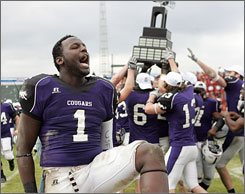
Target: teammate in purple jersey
[
  {"x": 122, "y": 125},
  {"x": 13, "y": 130},
  {"x": 232, "y": 84},
  {"x": 234, "y": 120},
  {"x": 142, "y": 126},
  {"x": 179, "y": 105},
  {"x": 161, "y": 119},
  {"x": 72, "y": 114},
  {"x": 190, "y": 79},
  {"x": 124, "y": 82},
  {"x": 203, "y": 123},
  {"x": 7, "y": 112}
]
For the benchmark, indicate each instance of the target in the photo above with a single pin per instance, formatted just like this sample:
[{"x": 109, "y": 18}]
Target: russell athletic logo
[{"x": 56, "y": 91}]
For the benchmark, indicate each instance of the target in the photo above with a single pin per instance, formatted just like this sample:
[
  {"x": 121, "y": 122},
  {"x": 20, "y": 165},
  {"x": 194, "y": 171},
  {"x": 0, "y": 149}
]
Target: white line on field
[{"x": 236, "y": 172}]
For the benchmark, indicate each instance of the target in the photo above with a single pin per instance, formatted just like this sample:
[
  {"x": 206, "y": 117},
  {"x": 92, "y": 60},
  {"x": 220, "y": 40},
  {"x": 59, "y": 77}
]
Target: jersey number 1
[
  {"x": 187, "y": 114},
  {"x": 80, "y": 136}
]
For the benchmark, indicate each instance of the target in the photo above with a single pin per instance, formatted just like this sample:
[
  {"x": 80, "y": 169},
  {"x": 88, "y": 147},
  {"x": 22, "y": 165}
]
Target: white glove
[
  {"x": 168, "y": 55},
  {"x": 192, "y": 56},
  {"x": 132, "y": 63}
]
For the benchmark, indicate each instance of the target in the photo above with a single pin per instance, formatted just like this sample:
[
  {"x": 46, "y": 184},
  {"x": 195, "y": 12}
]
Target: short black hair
[{"x": 57, "y": 50}]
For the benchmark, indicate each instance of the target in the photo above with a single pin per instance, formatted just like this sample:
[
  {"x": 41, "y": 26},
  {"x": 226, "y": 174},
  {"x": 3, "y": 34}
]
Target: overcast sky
[{"x": 214, "y": 30}]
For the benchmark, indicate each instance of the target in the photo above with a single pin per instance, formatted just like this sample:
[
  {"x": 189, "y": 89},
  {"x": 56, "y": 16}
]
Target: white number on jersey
[
  {"x": 4, "y": 119},
  {"x": 124, "y": 113},
  {"x": 80, "y": 136},
  {"x": 167, "y": 95},
  {"x": 198, "y": 119},
  {"x": 138, "y": 115},
  {"x": 187, "y": 114}
]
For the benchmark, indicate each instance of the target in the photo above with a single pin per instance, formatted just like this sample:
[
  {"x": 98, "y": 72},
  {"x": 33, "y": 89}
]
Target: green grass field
[{"x": 13, "y": 184}]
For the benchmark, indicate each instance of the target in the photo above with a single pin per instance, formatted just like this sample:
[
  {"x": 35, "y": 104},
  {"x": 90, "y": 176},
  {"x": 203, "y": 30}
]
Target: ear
[{"x": 59, "y": 60}]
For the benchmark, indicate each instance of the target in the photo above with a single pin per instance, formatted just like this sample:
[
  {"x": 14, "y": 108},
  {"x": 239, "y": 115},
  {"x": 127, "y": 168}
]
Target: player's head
[
  {"x": 172, "y": 81},
  {"x": 235, "y": 70},
  {"x": 58, "y": 50},
  {"x": 189, "y": 78},
  {"x": 200, "y": 88},
  {"x": 70, "y": 53},
  {"x": 144, "y": 81},
  {"x": 9, "y": 101}
]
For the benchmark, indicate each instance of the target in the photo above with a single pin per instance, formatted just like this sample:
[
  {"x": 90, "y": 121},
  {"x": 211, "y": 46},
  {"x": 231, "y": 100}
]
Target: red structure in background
[{"x": 214, "y": 90}]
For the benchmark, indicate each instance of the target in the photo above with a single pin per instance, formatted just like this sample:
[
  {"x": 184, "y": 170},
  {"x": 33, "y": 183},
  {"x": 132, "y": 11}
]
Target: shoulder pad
[
  {"x": 27, "y": 92},
  {"x": 165, "y": 101}
]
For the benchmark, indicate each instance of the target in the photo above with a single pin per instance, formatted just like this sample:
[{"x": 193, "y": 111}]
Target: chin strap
[{"x": 154, "y": 170}]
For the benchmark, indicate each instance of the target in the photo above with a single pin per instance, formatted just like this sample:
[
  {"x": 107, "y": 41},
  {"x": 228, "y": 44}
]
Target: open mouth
[{"x": 84, "y": 59}]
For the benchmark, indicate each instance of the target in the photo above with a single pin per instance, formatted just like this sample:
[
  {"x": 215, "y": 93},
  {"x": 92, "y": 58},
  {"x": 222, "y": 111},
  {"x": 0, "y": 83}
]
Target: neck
[{"x": 73, "y": 80}]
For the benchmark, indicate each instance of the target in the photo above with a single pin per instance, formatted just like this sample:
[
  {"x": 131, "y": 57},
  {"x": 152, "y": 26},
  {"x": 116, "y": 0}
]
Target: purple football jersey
[
  {"x": 234, "y": 85},
  {"x": 180, "y": 107},
  {"x": 233, "y": 88},
  {"x": 143, "y": 126},
  {"x": 204, "y": 120},
  {"x": 163, "y": 123},
  {"x": 122, "y": 117},
  {"x": 120, "y": 121},
  {"x": 7, "y": 112},
  {"x": 198, "y": 106},
  {"x": 71, "y": 117}
]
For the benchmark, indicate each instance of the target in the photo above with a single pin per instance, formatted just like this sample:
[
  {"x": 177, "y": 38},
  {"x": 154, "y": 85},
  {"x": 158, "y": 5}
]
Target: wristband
[
  {"x": 132, "y": 66},
  {"x": 149, "y": 101},
  {"x": 216, "y": 78}
]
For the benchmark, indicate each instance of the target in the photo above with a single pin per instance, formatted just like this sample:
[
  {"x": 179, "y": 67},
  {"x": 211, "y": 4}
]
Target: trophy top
[{"x": 162, "y": 3}]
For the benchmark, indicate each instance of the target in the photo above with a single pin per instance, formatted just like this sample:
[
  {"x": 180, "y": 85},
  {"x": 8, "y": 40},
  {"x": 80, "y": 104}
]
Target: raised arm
[
  {"x": 119, "y": 75},
  {"x": 169, "y": 56},
  {"x": 208, "y": 70},
  {"x": 27, "y": 135},
  {"x": 129, "y": 84}
]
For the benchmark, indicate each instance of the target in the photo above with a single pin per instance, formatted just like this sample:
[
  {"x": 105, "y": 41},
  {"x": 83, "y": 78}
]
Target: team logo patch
[{"x": 23, "y": 94}]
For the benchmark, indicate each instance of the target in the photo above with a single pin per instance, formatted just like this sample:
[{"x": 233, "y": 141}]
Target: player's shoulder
[
  {"x": 211, "y": 99},
  {"x": 5, "y": 106},
  {"x": 42, "y": 79},
  {"x": 169, "y": 96},
  {"x": 102, "y": 81},
  {"x": 31, "y": 84}
]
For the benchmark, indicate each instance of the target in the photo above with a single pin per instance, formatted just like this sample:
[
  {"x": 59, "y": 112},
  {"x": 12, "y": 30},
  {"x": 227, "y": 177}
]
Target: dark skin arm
[
  {"x": 27, "y": 136},
  {"x": 214, "y": 129},
  {"x": 234, "y": 125}
]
